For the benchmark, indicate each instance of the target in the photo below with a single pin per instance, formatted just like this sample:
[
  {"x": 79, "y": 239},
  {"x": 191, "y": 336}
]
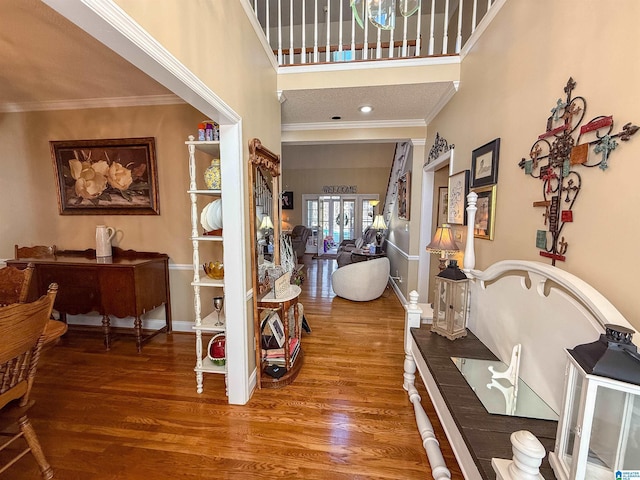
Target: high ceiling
[{"x": 48, "y": 62}]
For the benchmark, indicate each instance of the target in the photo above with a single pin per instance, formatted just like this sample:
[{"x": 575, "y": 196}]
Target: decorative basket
[{"x": 216, "y": 350}]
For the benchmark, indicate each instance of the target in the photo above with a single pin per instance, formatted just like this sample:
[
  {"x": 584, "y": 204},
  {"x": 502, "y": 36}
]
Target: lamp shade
[
  {"x": 266, "y": 223},
  {"x": 379, "y": 223},
  {"x": 443, "y": 241}
]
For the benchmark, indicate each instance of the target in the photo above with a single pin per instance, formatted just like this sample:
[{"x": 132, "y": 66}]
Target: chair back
[
  {"x": 14, "y": 284},
  {"x": 37, "y": 251},
  {"x": 21, "y": 330}
]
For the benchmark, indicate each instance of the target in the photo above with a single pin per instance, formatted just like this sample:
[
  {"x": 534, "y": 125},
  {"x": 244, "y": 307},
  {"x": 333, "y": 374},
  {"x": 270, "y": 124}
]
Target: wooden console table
[{"x": 129, "y": 284}]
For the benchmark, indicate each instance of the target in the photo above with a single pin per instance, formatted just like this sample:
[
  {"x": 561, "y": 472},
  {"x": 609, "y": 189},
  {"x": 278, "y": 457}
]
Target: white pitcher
[{"x": 104, "y": 235}]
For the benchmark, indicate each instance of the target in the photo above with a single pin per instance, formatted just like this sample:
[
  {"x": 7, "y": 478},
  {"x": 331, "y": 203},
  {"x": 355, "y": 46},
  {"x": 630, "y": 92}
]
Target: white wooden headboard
[{"x": 543, "y": 308}]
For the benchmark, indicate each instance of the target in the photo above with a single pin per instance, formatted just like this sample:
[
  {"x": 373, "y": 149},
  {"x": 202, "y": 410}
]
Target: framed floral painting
[
  {"x": 106, "y": 176},
  {"x": 457, "y": 197}
]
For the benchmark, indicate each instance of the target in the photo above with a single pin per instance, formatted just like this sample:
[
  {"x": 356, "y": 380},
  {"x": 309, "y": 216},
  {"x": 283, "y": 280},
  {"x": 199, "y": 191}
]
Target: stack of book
[{"x": 275, "y": 356}]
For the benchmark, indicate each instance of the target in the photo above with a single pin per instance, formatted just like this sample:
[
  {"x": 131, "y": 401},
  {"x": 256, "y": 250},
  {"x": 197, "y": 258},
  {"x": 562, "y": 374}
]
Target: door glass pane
[
  {"x": 572, "y": 414},
  {"x": 312, "y": 213},
  {"x": 441, "y": 294},
  {"x": 459, "y": 305},
  {"x": 613, "y": 433},
  {"x": 349, "y": 215},
  {"x": 367, "y": 215}
]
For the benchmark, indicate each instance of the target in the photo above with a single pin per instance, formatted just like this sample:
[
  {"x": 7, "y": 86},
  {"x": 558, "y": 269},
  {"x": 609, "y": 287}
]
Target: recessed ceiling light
[
  {"x": 336, "y": 117},
  {"x": 366, "y": 108}
]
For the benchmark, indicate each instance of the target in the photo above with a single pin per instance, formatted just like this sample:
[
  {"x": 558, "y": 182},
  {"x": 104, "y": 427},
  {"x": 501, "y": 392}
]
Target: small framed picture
[
  {"x": 486, "y": 213},
  {"x": 277, "y": 328},
  {"x": 404, "y": 196},
  {"x": 443, "y": 205},
  {"x": 484, "y": 164},
  {"x": 457, "y": 198},
  {"x": 287, "y": 200}
]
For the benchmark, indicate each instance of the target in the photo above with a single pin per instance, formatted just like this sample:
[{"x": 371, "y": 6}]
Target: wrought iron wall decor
[
  {"x": 556, "y": 154},
  {"x": 439, "y": 147}
]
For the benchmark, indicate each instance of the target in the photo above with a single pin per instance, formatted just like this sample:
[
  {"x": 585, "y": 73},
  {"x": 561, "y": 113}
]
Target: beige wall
[
  {"x": 307, "y": 168},
  {"x": 509, "y": 82},
  {"x": 30, "y": 211}
]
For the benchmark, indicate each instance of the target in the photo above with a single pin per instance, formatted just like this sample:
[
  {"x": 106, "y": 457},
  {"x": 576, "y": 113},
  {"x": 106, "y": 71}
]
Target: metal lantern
[
  {"x": 450, "y": 302},
  {"x": 599, "y": 428}
]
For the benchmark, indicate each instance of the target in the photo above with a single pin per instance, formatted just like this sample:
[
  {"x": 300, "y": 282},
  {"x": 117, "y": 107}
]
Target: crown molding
[
  {"x": 296, "y": 127},
  {"x": 80, "y": 104}
]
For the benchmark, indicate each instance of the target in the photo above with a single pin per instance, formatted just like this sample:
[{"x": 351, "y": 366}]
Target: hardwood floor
[{"x": 123, "y": 415}]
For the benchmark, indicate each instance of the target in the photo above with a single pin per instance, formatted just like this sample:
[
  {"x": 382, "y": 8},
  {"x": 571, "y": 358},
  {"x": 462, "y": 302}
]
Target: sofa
[
  {"x": 361, "y": 281},
  {"x": 345, "y": 248}
]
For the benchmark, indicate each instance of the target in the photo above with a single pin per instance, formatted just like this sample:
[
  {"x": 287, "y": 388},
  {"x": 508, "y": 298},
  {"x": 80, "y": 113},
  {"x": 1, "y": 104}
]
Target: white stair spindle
[
  {"x": 488, "y": 6},
  {"x": 353, "y": 35},
  {"x": 445, "y": 34},
  {"x": 404, "y": 38},
  {"x": 474, "y": 16},
  {"x": 303, "y": 51},
  {"x": 315, "y": 33},
  {"x": 280, "y": 62},
  {"x": 469, "y": 250},
  {"x": 327, "y": 17},
  {"x": 391, "y": 43},
  {"x": 266, "y": 19},
  {"x": 291, "y": 55},
  {"x": 340, "y": 33},
  {"x": 379, "y": 44},
  {"x": 365, "y": 45},
  {"x": 418, "y": 30},
  {"x": 433, "y": 24},
  {"x": 459, "y": 37}
]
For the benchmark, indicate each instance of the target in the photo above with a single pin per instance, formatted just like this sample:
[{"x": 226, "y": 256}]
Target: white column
[{"x": 469, "y": 250}]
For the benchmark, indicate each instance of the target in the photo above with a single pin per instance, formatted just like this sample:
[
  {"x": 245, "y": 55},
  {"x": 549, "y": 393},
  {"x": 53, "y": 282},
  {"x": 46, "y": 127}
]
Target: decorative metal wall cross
[{"x": 554, "y": 156}]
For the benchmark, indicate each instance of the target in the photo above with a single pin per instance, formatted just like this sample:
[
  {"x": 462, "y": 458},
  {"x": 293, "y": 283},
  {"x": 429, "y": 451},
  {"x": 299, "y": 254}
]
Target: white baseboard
[{"x": 147, "y": 323}]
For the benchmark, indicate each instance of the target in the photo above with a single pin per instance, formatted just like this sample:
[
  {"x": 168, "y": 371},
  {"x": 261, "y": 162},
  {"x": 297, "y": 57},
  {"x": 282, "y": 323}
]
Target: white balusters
[
  {"x": 474, "y": 16},
  {"x": 459, "y": 37},
  {"x": 418, "y": 30},
  {"x": 267, "y": 27},
  {"x": 303, "y": 52},
  {"x": 291, "y": 54},
  {"x": 327, "y": 20},
  {"x": 340, "y": 34},
  {"x": 280, "y": 32},
  {"x": 315, "y": 33},
  {"x": 433, "y": 26},
  {"x": 445, "y": 35},
  {"x": 353, "y": 34}
]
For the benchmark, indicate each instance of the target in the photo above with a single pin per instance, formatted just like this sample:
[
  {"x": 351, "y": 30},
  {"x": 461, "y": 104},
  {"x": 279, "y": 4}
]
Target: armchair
[
  {"x": 361, "y": 281},
  {"x": 299, "y": 236}
]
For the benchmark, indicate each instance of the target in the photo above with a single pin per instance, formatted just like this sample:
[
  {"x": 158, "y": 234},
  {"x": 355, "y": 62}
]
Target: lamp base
[{"x": 443, "y": 263}]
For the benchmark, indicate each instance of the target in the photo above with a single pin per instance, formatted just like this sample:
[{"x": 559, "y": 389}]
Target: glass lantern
[
  {"x": 450, "y": 302},
  {"x": 598, "y": 433}
]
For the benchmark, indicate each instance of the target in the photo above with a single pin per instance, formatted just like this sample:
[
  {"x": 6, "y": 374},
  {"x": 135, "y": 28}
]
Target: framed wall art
[
  {"x": 404, "y": 196},
  {"x": 106, "y": 176},
  {"x": 287, "y": 200},
  {"x": 457, "y": 192},
  {"x": 443, "y": 206},
  {"x": 484, "y": 164},
  {"x": 486, "y": 213}
]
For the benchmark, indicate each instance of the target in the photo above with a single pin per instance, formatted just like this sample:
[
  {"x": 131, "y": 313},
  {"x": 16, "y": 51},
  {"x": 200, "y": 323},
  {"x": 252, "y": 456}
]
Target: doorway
[{"x": 337, "y": 217}]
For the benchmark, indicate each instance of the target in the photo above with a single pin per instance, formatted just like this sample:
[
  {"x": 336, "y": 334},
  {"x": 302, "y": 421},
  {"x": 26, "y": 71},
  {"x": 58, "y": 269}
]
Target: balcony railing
[{"x": 324, "y": 31}]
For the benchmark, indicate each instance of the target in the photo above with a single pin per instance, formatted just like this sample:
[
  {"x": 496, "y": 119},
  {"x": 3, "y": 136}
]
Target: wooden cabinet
[{"x": 207, "y": 246}]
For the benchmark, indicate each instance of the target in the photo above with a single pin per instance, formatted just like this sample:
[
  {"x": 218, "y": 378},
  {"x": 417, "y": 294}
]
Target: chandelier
[{"x": 382, "y": 13}]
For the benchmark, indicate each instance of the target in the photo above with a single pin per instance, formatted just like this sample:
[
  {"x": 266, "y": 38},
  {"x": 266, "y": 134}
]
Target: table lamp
[
  {"x": 267, "y": 227},
  {"x": 443, "y": 244},
  {"x": 379, "y": 225}
]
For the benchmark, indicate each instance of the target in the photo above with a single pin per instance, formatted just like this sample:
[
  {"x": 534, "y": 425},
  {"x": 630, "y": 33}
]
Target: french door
[{"x": 337, "y": 217}]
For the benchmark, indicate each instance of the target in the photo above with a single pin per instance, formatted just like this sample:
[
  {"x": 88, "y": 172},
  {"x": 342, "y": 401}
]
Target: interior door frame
[{"x": 426, "y": 218}]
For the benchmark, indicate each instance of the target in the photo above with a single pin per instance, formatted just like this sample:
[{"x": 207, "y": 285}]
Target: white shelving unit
[{"x": 203, "y": 327}]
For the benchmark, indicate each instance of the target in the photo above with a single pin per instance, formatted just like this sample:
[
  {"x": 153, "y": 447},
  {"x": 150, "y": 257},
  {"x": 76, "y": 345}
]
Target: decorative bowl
[{"x": 214, "y": 270}]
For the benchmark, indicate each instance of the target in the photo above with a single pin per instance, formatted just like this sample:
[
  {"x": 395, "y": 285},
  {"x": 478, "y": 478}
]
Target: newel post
[{"x": 469, "y": 250}]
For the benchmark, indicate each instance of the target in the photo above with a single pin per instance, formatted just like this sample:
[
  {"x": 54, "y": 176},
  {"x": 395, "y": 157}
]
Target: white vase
[{"x": 104, "y": 235}]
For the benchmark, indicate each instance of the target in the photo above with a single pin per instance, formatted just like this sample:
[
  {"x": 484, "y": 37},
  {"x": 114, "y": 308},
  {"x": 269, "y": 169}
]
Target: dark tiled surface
[{"x": 485, "y": 434}]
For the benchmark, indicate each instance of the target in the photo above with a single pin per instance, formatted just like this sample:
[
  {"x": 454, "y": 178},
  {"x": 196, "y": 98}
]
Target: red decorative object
[
  {"x": 567, "y": 216},
  {"x": 597, "y": 124}
]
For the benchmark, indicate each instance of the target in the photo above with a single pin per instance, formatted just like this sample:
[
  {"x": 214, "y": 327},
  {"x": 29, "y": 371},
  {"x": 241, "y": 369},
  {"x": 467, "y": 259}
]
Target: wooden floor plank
[{"x": 122, "y": 415}]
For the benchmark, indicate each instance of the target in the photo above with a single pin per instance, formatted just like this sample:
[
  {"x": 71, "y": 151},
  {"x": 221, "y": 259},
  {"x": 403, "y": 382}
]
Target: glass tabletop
[{"x": 498, "y": 395}]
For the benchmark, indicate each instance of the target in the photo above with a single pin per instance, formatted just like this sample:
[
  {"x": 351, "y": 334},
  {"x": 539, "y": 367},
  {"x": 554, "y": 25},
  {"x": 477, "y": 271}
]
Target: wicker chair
[{"x": 21, "y": 329}]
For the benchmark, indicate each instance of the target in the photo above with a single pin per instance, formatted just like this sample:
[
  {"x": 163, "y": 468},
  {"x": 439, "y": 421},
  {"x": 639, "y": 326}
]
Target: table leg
[
  {"x": 137, "y": 326},
  {"x": 106, "y": 328}
]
